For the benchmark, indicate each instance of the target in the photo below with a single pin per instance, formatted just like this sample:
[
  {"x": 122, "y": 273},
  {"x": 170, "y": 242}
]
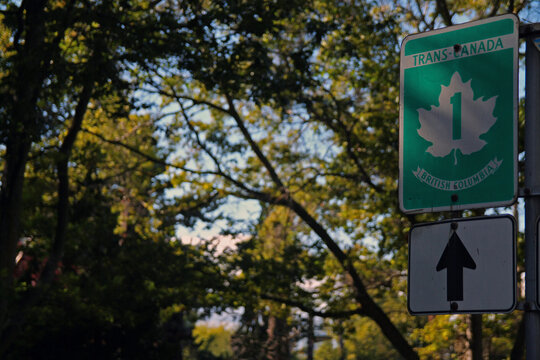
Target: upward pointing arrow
[{"x": 454, "y": 258}]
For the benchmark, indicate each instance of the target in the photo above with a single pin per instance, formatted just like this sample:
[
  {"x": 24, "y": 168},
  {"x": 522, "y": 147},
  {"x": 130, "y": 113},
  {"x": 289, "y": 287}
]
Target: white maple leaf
[{"x": 440, "y": 127}]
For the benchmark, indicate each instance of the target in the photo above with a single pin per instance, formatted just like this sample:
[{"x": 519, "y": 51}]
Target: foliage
[
  {"x": 122, "y": 120},
  {"x": 216, "y": 340}
]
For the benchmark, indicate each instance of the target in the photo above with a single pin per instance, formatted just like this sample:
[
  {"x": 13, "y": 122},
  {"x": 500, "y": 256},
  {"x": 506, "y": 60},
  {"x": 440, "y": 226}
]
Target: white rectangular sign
[{"x": 465, "y": 265}]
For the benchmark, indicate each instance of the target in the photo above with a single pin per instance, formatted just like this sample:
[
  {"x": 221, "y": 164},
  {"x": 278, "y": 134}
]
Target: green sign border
[{"x": 427, "y": 198}]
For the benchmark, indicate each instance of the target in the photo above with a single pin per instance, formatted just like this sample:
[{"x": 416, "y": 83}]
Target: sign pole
[{"x": 532, "y": 188}]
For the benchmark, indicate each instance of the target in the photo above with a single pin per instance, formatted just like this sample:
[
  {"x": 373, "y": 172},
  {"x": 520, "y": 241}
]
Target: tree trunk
[
  {"x": 371, "y": 309},
  {"x": 11, "y": 207},
  {"x": 62, "y": 210},
  {"x": 476, "y": 339},
  {"x": 518, "y": 351},
  {"x": 25, "y": 78},
  {"x": 341, "y": 342},
  {"x": 310, "y": 338},
  {"x": 277, "y": 343}
]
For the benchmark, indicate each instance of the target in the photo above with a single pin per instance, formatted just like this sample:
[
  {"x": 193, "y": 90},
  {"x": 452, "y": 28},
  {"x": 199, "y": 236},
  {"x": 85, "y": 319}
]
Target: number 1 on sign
[{"x": 455, "y": 100}]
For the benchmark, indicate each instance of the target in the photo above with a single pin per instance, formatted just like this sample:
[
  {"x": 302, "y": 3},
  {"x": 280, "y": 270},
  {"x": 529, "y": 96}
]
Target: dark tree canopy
[{"x": 124, "y": 123}]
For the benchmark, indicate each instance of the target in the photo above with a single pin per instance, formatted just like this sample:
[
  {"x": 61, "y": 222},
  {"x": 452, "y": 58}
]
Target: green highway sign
[{"x": 458, "y": 117}]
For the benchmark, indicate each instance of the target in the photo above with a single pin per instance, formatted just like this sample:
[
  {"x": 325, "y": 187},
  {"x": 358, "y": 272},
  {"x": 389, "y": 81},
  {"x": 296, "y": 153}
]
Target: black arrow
[{"x": 454, "y": 258}]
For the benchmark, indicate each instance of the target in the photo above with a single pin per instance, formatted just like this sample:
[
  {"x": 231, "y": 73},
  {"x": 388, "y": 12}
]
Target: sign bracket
[
  {"x": 528, "y": 192},
  {"x": 527, "y": 30},
  {"x": 527, "y": 306}
]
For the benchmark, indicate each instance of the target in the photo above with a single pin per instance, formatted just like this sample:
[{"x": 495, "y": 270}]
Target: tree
[
  {"x": 215, "y": 340},
  {"x": 309, "y": 124},
  {"x": 59, "y": 60},
  {"x": 245, "y": 104},
  {"x": 125, "y": 288},
  {"x": 122, "y": 119}
]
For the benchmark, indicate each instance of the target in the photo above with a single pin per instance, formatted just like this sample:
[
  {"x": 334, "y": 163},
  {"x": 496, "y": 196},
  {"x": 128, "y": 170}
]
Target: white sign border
[{"x": 458, "y": 311}]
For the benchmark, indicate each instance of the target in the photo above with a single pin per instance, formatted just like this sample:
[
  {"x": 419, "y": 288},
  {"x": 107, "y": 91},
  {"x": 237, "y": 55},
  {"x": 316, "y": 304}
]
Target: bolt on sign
[{"x": 458, "y": 117}]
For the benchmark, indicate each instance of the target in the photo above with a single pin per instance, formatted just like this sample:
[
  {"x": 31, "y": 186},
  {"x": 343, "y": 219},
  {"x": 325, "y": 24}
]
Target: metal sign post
[{"x": 532, "y": 189}]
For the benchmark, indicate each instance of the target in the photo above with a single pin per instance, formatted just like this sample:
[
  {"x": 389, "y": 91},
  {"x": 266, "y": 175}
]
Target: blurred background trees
[{"x": 128, "y": 126}]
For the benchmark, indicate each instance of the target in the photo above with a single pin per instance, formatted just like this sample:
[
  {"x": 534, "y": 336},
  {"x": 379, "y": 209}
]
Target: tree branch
[
  {"x": 342, "y": 130},
  {"x": 254, "y": 147},
  {"x": 442, "y": 9},
  {"x": 369, "y": 306},
  {"x": 248, "y": 192},
  {"x": 323, "y": 314},
  {"x": 147, "y": 156},
  {"x": 57, "y": 250},
  {"x": 521, "y": 6},
  {"x": 496, "y": 6}
]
